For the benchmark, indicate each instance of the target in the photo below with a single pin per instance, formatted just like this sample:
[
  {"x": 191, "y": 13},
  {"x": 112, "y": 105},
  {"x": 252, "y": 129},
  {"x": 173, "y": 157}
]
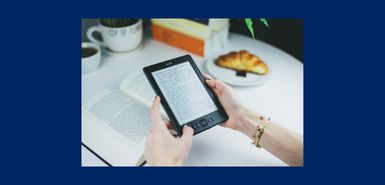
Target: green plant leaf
[
  {"x": 116, "y": 22},
  {"x": 249, "y": 24},
  {"x": 109, "y": 22},
  {"x": 265, "y": 22}
]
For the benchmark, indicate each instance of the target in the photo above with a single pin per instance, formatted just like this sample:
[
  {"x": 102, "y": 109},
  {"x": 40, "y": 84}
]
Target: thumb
[
  {"x": 187, "y": 134},
  {"x": 217, "y": 86}
]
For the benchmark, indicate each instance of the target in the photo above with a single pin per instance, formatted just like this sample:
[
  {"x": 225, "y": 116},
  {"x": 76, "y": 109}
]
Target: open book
[{"x": 115, "y": 122}]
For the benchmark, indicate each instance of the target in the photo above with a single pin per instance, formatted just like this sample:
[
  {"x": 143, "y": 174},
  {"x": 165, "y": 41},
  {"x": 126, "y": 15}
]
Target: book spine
[
  {"x": 204, "y": 25},
  {"x": 185, "y": 26},
  {"x": 179, "y": 40}
]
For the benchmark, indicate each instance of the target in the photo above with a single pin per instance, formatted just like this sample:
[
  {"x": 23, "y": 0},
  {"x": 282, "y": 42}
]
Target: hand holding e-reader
[{"x": 184, "y": 94}]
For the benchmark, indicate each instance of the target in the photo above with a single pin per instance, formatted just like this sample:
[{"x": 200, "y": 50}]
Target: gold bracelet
[
  {"x": 261, "y": 118},
  {"x": 256, "y": 131},
  {"x": 261, "y": 131}
]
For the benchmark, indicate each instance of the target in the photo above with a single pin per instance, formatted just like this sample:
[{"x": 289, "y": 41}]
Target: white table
[{"x": 281, "y": 98}]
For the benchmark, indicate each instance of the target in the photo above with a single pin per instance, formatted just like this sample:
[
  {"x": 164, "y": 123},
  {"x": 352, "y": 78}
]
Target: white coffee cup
[
  {"x": 91, "y": 63},
  {"x": 121, "y": 39}
]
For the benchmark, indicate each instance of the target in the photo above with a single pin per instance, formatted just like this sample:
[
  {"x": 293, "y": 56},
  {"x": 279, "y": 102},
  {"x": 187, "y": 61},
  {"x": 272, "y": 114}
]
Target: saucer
[{"x": 124, "y": 54}]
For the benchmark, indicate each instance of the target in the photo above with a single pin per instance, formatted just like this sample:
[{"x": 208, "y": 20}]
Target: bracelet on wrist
[{"x": 261, "y": 131}]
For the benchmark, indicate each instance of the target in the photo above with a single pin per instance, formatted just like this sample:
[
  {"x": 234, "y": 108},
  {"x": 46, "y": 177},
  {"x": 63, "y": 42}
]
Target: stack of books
[{"x": 202, "y": 37}]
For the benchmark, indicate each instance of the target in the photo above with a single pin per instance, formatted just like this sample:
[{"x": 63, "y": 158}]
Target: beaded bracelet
[{"x": 260, "y": 134}]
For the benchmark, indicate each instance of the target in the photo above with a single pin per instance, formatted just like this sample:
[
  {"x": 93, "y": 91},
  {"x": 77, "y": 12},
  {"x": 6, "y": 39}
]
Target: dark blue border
[{"x": 42, "y": 89}]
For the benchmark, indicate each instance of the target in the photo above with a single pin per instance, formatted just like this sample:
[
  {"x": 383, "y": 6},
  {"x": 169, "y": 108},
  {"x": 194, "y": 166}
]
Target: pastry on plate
[{"x": 242, "y": 61}]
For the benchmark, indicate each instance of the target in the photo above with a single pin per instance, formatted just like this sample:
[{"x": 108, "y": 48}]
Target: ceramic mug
[
  {"x": 121, "y": 39},
  {"x": 90, "y": 63}
]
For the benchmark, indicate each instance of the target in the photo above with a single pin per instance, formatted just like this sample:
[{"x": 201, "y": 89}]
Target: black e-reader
[{"x": 184, "y": 94}]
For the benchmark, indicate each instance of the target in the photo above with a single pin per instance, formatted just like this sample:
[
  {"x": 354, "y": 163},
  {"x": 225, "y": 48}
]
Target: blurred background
[{"x": 285, "y": 34}]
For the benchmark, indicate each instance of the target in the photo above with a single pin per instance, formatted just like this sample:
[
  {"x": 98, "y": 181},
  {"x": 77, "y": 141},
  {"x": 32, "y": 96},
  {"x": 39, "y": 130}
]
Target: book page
[
  {"x": 105, "y": 145},
  {"x": 137, "y": 86},
  {"x": 120, "y": 115}
]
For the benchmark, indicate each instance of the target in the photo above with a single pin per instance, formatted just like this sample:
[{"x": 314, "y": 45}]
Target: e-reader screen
[{"x": 185, "y": 93}]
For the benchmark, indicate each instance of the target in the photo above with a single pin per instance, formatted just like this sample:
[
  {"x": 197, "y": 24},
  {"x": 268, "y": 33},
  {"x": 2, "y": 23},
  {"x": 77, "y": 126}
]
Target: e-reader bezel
[{"x": 218, "y": 115}]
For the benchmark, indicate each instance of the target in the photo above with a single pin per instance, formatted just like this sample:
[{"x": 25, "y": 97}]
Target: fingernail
[{"x": 208, "y": 79}]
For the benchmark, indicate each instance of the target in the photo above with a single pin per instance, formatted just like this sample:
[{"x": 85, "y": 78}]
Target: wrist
[
  {"x": 168, "y": 162},
  {"x": 248, "y": 121}
]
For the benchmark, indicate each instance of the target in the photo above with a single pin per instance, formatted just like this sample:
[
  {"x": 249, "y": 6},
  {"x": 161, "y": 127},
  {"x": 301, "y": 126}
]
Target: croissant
[{"x": 242, "y": 61}]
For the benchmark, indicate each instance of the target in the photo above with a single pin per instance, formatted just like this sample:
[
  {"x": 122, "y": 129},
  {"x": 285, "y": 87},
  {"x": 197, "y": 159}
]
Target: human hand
[
  {"x": 229, "y": 100},
  {"x": 162, "y": 149}
]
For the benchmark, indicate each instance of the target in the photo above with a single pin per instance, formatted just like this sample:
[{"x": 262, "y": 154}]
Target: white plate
[{"x": 229, "y": 76}]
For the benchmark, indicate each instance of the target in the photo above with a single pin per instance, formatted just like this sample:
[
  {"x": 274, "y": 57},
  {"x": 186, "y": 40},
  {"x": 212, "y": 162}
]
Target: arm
[{"x": 279, "y": 141}]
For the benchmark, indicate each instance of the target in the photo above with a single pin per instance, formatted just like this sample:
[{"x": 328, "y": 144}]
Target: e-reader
[{"x": 184, "y": 94}]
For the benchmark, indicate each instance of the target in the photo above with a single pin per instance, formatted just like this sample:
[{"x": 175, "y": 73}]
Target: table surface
[{"x": 281, "y": 98}]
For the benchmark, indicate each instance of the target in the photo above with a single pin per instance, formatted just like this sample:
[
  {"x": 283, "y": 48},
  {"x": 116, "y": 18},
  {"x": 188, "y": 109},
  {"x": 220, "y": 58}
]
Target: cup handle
[{"x": 91, "y": 38}]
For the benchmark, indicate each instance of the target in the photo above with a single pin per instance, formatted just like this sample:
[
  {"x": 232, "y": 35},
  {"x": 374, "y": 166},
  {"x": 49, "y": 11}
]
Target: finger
[
  {"x": 169, "y": 124},
  {"x": 155, "y": 114},
  {"x": 212, "y": 86},
  {"x": 216, "y": 84},
  {"x": 187, "y": 134},
  {"x": 154, "y": 111},
  {"x": 149, "y": 134},
  {"x": 206, "y": 76}
]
